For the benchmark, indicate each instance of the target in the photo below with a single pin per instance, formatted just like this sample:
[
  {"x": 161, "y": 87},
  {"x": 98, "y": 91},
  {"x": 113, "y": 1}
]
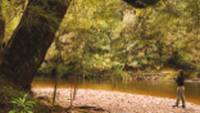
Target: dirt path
[{"x": 117, "y": 102}]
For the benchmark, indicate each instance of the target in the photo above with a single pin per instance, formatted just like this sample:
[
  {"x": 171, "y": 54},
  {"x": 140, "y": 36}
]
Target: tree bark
[
  {"x": 31, "y": 39},
  {"x": 2, "y": 32},
  {"x": 2, "y": 23}
]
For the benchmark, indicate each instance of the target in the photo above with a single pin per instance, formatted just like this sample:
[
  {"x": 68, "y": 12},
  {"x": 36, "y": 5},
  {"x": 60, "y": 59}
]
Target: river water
[{"x": 152, "y": 88}]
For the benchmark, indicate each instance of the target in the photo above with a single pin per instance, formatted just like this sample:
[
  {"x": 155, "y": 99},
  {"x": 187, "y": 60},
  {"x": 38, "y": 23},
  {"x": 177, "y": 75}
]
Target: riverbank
[{"x": 116, "y": 102}]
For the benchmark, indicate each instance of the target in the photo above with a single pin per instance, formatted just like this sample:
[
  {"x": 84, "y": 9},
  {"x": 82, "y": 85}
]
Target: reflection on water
[{"x": 153, "y": 88}]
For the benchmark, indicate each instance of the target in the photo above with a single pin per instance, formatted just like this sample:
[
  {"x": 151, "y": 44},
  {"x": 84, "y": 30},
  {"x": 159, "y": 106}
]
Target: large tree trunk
[
  {"x": 2, "y": 32},
  {"x": 31, "y": 39},
  {"x": 2, "y": 23}
]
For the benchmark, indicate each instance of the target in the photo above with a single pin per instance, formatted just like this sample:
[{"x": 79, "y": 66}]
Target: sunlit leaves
[
  {"x": 12, "y": 11},
  {"x": 109, "y": 33}
]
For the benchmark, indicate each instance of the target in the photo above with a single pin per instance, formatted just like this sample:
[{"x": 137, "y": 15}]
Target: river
[{"x": 152, "y": 88}]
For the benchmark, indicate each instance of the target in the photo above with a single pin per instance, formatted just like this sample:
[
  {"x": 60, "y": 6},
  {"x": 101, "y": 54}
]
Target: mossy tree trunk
[{"x": 31, "y": 39}]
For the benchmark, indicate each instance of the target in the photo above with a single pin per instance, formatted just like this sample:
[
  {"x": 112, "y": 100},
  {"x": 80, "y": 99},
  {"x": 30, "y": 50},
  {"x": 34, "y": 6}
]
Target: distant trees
[{"x": 99, "y": 41}]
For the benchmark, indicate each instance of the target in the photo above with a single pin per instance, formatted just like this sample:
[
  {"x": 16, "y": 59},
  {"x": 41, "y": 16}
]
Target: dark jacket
[{"x": 180, "y": 80}]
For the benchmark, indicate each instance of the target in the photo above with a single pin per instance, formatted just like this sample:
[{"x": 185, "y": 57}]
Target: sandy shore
[{"x": 117, "y": 102}]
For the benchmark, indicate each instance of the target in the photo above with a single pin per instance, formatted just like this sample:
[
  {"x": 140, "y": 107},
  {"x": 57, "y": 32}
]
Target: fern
[{"x": 22, "y": 105}]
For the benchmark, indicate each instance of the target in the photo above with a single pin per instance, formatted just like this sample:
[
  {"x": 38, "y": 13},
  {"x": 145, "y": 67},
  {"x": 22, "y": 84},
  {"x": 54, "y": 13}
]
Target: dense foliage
[
  {"x": 22, "y": 105},
  {"x": 112, "y": 38}
]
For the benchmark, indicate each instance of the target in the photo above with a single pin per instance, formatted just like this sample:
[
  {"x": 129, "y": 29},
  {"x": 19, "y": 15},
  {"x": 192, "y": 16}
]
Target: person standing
[{"x": 180, "y": 81}]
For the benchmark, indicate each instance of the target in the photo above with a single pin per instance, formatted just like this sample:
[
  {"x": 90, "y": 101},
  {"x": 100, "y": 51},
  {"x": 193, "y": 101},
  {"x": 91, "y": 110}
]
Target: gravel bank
[{"x": 117, "y": 102}]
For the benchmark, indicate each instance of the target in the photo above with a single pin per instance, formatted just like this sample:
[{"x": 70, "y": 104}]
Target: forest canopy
[{"x": 117, "y": 38}]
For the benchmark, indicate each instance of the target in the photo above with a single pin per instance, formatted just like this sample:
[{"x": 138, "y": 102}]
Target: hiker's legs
[
  {"x": 183, "y": 96},
  {"x": 178, "y": 96}
]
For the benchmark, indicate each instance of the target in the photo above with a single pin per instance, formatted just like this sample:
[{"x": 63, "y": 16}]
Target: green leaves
[
  {"x": 22, "y": 105},
  {"x": 106, "y": 33}
]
